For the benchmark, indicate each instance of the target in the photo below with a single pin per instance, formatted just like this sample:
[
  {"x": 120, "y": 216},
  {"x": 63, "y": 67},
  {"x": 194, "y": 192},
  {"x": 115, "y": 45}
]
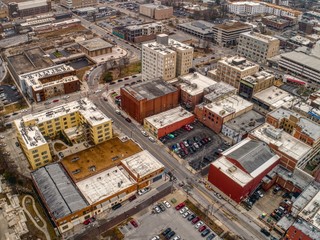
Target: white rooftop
[
  {"x": 169, "y": 117},
  {"x": 260, "y": 37},
  {"x": 311, "y": 212},
  {"x": 37, "y": 85},
  {"x": 31, "y": 135},
  {"x": 159, "y": 48},
  {"x": 245, "y": 3},
  {"x": 144, "y": 26},
  {"x": 141, "y": 164},
  {"x": 229, "y": 105},
  {"x": 32, "y": 4},
  {"x": 239, "y": 63},
  {"x": 236, "y": 174},
  {"x": 178, "y": 45},
  {"x": 84, "y": 106},
  {"x": 257, "y": 77},
  {"x": 286, "y": 143},
  {"x": 46, "y": 72},
  {"x": 276, "y": 97},
  {"x": 105, "y": 184},
  {"x": 195, "y": 83}
]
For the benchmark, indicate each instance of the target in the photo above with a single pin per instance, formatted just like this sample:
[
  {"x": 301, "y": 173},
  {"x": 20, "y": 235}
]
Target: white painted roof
[{"x": 195, "y": 83}]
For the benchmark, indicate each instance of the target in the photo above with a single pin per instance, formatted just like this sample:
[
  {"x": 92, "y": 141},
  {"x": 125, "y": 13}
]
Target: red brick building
[
  {"x": 166, "y": 122},
  {"x": 294, "y": 233},
  {"x": 241, "y": 168},
  {"x": 148, "y": 98}
]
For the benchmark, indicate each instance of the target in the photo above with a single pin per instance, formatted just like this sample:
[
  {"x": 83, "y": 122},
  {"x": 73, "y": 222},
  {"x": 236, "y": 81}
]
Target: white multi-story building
[
  {"x": 257, "y": 47},
  {"x": 254, "y": 8},
  {"x": 165, "y": 58}
]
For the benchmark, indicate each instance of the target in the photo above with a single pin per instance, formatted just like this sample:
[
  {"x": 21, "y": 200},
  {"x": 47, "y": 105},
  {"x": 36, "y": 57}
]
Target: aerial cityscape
[{"x": 159, "y": 120}]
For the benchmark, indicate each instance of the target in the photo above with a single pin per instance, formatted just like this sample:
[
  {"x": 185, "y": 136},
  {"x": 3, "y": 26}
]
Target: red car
[
  {"x": 134, "y": 223},
  {"x": 56, "y": 100},
  {"x": 195, "y": 220},
  {"x": 202, "y": 228},
  {"x": 89, "y": 220},
  {"x": 181, "y": 205}
]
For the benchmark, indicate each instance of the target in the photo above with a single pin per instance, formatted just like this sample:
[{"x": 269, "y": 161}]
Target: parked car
[
  {"x": 183, "y": 210},
  {"x": 265, "y": 232},
  {"x": 276, "y": 189},
  {"x": 133, "y": 197},
  {"x": 157, "y": 209},
  {"x": 211, "y": 236},
  {"x": 144, "y": 133},
  {"x": 151, "y": 139},
  {"x": 202, "y": 228},
  {"x": 186, "y": 214},
  {"x": 191, "y": 217},
  {"x": 170, "y": 234},
  {"x": 205, "y": 232},
  {"x": 180, "y": 205},
  {"x": 162, "y": 207},
  {"x": 17, "y": 144},
  {"x": 143, "y": 191},
  {"x": 165, "y": 232},
  {"x": 167, "y": 204},
  {"x": 128, "y": 120},
  {"x": 195, "y": 220},
  {"x": 199, "y": 224},
  {"x": 134, "y": 223}
]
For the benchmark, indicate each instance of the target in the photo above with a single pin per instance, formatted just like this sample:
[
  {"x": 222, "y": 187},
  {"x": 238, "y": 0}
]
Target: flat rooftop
[
  {"x": 246, "y": 122},
  {"x": 105, "y": 184},
  {"x": 95, "y": 44},
  {"x": 257, "y": 77},
  {"x": 195, "y": 83},
  {"x": 155, "y": 6},
  {"x": 309, "y": 193},
  {"x": 253, "y": 155},
  {"x": 91, "y": 161},
  {"x": 178, "y": 45},
  {"x": 145, "y": 26},
  {"x": 260, "y": 37},
  {"x": 31, "y": 135},
  {"x": 218, "y": 90},
  {"x": 311, "y": 212},
  {"x": 142, "y": 164},
  {"x": 303, "y": 59},
  {"x": 285, "y": 142},
  {"x": 229, "y": 105},
  {"x": 308, "y": 109},
  {"x": 150, "y": 89},
  {"x": 203, "y": 27},
  {"x": 308, "y": 228},
  {"x": 158, "y": 48},
  {"x": 30, "y": 60},
  {"x": 309, "y": 127},
  {"x": 232, "y": 171},
  {"x": 169, "y": 117},
  {"x": 239, "y": 63},
  {"x": 58, "y": 191},
  {"x": 35, "y": 76},
  {"x": 276, "y": 97},
  {"x": 232, "y": 26},
  {"x": 85, "y": 107},
  {"x": 32, "y": 4}
]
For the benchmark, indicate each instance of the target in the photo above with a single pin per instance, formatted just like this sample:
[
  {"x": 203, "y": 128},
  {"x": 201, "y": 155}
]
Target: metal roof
[
  {"x": 59, "y": 193},
  {"x": 252, "y": 155}
]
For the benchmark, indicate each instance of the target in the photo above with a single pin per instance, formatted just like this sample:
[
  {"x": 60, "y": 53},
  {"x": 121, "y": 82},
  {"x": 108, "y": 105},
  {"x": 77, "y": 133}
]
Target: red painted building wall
[
  {"x": 175, "y": 126},
  {"x": 295, "y": 234},
  {"x": 233, "y": 189}
]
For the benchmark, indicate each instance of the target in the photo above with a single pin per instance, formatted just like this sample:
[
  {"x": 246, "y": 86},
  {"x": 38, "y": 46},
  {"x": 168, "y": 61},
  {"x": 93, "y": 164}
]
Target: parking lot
[
  {"x": 153, "y": 224},
  {"x": 9, "y": 94},
  {"x": 198, "y": 155}
]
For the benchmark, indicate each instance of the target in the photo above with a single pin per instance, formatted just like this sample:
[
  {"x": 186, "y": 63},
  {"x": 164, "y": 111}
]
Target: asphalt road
[{"x": 243, "y": 226}]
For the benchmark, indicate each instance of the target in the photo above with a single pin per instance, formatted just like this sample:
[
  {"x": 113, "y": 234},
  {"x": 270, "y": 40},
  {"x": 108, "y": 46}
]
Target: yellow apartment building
[{"x": 78, "y": 121}]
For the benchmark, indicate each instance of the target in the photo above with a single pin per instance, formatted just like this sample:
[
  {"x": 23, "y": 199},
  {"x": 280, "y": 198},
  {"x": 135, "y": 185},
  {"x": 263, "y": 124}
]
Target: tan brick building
[
  {"x": 232, "y": 70},
  {"x": 257, "y": 47},
  {"x": 157, "y": 12},
  {"x": 70, "y": 4},
  {"x": 95, "y": 47}
]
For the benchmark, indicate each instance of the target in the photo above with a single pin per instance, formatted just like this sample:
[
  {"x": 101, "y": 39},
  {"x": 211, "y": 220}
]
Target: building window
[
  {"x": 38, "y": 164},
  {"x": 65, "y": 227},
  {"x": 35, "y": 151}
]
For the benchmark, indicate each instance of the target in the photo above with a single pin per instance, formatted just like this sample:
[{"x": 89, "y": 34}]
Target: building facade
[
  {"x": 148, "y": 98},
  {"x": 157, "y": 12},
  {"x": 257, "y": 47},
  {"x": 165, "y": 58},
  {"x": 215, "y": 114},
  {"x": 95, "y": 47},
  {"x": 166, "y": 122},
  {"x": 200, "y": 29},
  {"x": 232, "y": 70},
  {"x": 28, "y": 8},
  {"x": 227, "y": 34},
  {"x": 71, "y": 4},
  {"x": 76, "y": 121},
  {"x": 255, "y": 83}
]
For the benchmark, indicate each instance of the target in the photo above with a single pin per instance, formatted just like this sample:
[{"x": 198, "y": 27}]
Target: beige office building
[
  {"x": 155, "y": 11},
  {"x": 165, "y": 58},
  {"x": 232, "y": 70},
  {"x": 258, "y": 47},
  {"x": 70, "y": 4}
]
